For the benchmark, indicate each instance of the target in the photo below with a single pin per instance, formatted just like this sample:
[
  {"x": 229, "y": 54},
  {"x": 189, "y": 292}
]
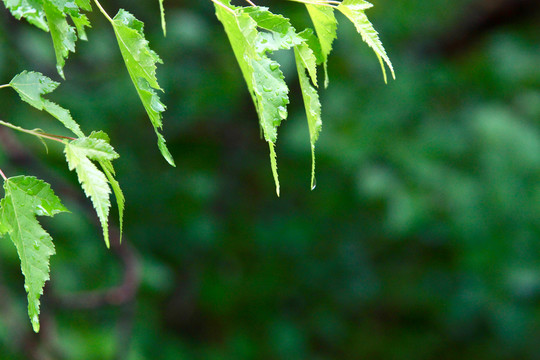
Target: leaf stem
[
  {"x": 103, "y": 11},
  {"x": 58, "y": 138},
  {"x": 222, "y": 5},
  {"x": 250, "y": 3},
  {"x": 3, "y": 175},
  {"x": 4, "y": 86}
]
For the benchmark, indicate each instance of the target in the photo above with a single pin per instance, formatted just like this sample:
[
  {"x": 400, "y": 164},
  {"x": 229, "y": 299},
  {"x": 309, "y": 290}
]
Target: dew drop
[
  {"x": 274, "y": 66},
  {"x": 282, "y": 112},
  {"x": 313, "y": 184},
  {"x": 266, "y": 88}
]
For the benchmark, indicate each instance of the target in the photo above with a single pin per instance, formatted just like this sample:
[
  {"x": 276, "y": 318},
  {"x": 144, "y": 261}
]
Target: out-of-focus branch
[
  {"x": 118, "y": 295},
  {"x": 480, "y": 17}
]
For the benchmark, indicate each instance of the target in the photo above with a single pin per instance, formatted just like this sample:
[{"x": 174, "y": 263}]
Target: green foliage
[
  {"x": 141, "y": 64},
  {"x": 354, "y": 10},
  {"x": 31, "y": 86},
  {"x": 325, "y": 24},
  {"x": 255, "y": 33},
  {"x": 25, "y": 198},
  {"x": 79, "y": 154},
  {"x": 50, "y": 15},
  {"x": 306, "y": 62}
]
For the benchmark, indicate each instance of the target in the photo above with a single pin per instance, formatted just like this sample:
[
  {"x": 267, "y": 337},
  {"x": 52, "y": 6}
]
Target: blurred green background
[{"x": 421, "y": 240}]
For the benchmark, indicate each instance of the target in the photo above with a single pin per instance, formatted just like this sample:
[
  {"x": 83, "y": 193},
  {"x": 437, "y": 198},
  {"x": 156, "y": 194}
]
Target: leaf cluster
[{"x": 255, "y": 33}]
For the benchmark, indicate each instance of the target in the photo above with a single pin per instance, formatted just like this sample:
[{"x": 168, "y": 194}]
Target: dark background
[{"x": 421, "y": 240}]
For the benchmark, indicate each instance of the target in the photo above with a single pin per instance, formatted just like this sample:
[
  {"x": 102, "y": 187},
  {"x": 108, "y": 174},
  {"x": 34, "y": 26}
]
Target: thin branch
[
  {"x": 250, "y": 3},
  {"x": 3, "y": 175},
  {"x": 4, "y": 86},
  {"x": 43, "y": 135}
]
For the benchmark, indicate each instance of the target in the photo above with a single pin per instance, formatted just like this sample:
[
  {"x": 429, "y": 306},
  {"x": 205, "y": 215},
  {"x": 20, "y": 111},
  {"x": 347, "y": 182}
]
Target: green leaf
[
  {"x": 325, "y": 24},
  {"x": 162, "y": 11},
  {"x": 108, "y": 169},
  {"x": 25, "y": 198},
  {"x": 31, "y": 10},
  {"x": 79, "y": 154},
  {"x": 306, "y": 54},
  {"x": 31, "y": 86},
  {"x": 254, "y": 33},
  {"x": 141, "y": 64},
  {"x": 80, "y": 22},
  {"x": 305, "y": 61},
  {"x": 63, "y": 34},
  {"x": 354, "y": 10}
]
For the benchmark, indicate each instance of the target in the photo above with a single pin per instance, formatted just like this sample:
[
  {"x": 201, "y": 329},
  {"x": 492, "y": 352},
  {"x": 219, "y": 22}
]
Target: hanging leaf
[
  {"x": 325, "y": 24},
  {"x": 354, "y": 10},
  {"x": 254, "y": 33},
  {"x": 306, "y": 64},
  {"x": 31, "y": 86},
  {"x": 79, "y": 154},
  {"x": 141, "y": 64},
  {"x": 108, "y": 169},
  {"x": 31, "y": 10},
  {"x": 25, "y": 198}
]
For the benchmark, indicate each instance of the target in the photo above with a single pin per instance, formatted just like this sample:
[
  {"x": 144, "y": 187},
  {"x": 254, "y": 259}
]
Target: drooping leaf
[
  {"x": 306, "y": 54},
  {"x": 31, "y": 86},
  {"x": 63, "y": 34},
  {"x": 306, "y": 62},
  {"x": 163, "y": 23},
  {"x": 51, "y": 15},
  {"x": 354, "y": 10},
  {"x": 108, "y": 169},
  {"x": 141, "y": 64},
  {"x": 31, "y": 10},
  {"x": 81, "y": 21},
  {"x": 25, "y": 198},
  {"x": 79, "y": 154},
  {"x": 254, "y": 33},
  {"x": 325, "y": 24}
]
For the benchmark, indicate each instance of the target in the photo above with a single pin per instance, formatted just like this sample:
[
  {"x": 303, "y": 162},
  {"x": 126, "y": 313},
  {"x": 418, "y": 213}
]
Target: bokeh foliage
[{"x": 421, "y": 240}]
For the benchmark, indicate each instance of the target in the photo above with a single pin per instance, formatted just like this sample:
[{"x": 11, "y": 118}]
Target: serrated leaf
[
  {"x": 94, "y": 182},
  {"x": 84, "y": 4},
  {"x": 325, "y": 24},
  {"x": 306, "y": 54},
  {"x": 31, "y": 10},
  {"x": 81, "y": 21},
  {"x": 354, "y": 10},
  {"x": 31, "y": 86},
  {"x": 108, "y": 169},
  {"x": 162, "y": 12},
  {"x": 25, "y": 198},
  {"x": 254, "y": 33},
  {"x": 63, "y": 34},
  {"x": 141, "y": 64},
  {"x": 305, "y": 61}
]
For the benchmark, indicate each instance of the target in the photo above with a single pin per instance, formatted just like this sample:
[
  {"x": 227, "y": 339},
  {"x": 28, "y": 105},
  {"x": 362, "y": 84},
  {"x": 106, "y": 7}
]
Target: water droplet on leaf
[
  {"x": 274, "y": 66},
  {"x": 313, "y": 184}
]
